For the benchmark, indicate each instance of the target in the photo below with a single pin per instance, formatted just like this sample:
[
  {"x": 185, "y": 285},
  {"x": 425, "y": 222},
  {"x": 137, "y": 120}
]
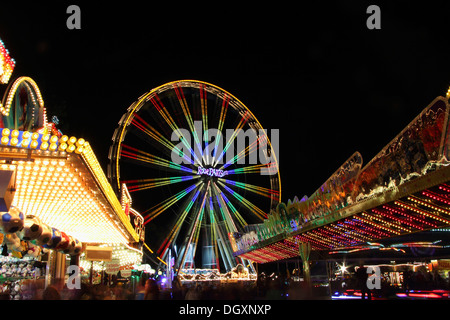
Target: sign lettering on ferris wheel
[{"x": 212, "y": 172}]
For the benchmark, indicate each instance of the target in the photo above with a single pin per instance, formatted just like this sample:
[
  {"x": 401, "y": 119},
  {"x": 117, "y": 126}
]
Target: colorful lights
[
  {"x": 58, "y": 187},
  {"x": 424, "y": 210},
  {"x": 35, "y": 96},
  {"x": 7, "y": 64},
  {"x": 211, "y": 172}
]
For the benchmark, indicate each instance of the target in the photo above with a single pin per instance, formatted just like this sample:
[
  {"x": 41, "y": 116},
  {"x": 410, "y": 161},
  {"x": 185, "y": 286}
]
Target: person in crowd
[
  {"x": 361, "y": 280},
  {"x": 51, "y": 293},
  {"x": 151, "y": 290}
]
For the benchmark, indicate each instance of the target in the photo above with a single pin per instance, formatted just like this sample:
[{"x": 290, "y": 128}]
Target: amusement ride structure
[{"x": 200, "y": 167}]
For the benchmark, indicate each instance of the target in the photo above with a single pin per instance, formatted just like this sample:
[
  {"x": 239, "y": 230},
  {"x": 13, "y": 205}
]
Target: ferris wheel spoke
[
  {"x": 257, "y": 211},
  {"x": 151, "y": 132},
  {"x": 196, "y": 224},
  {"x": 224, "y": 204},
  {"x": 239, "y": 126},
  {"x": 260, "y": 142},
  {"x": 173, "y": 234},
  {"x": 223, "y": 114},
  {"x": 268, "y": 193},
  {"x": 184, "y": 107},
  {"x": 145, "y": 157},
  {"x": 156, "y": 210},
  {"x": 204, "y": 109},
  {"x": 169, "y": 120},
  {"x": 143, "y": 184},
  {"x": 248, "y": 169}
]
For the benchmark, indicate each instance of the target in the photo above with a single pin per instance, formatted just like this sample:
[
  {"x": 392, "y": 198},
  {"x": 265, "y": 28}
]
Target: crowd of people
[
  {"x": 274, "y": 287},
  {"x": 152, "y": 289}
]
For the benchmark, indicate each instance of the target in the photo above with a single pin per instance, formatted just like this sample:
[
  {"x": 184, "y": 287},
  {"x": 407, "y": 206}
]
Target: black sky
[{"x": 315, "y": 72}]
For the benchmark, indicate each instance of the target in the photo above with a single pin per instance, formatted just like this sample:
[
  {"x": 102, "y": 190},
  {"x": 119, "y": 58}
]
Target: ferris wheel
[{"x": 198, "y": 166}]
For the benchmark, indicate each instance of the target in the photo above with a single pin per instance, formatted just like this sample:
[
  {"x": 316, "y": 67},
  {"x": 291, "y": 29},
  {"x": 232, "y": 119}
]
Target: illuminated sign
[{"x": 212, "y": 172}]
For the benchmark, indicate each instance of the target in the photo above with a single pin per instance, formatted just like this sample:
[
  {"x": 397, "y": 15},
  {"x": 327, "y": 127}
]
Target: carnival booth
[{"x": 56, "y": 205}]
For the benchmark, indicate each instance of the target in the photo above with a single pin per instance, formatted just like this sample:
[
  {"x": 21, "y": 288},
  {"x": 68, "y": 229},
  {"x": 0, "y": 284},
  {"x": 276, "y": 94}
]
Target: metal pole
[
  {"x": 304, "y": 250},
  {"x": 92, "y": 272}
]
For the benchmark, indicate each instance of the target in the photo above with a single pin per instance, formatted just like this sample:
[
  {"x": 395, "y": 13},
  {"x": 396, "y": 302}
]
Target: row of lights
[
  {"x": 389, "y": 215},
  {"x": 358, "y": 224},
  {"x": 26, "y": 139},
  {"x": 58, "y": 194},
  {"x": 126, "y": 255},
  {"x": 314, "y": 244},
  {"x": 65, "y": 181},
  {"x": 423, "y": 212},
  {"x": 12, "y": 92},
  {"x": 435, "y": 196},
  {"x": 411, "y": 217},
  {"x": 93, "y": 164},
  {"x": 341, "y": 237},
  {"x": 366, "y": 218},
  {"x": 56, "y": 191}
]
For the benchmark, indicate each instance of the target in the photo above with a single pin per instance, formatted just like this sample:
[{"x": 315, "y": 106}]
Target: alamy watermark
[
  {"x": 74, "y": 279},
  {"x": 374, "y": 278},
  {"x": 210, "y": 148}
]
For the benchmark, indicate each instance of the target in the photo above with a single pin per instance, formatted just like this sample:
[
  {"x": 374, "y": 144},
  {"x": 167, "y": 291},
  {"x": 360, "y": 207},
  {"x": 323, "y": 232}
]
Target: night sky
[{"x": 316, "y": 73}]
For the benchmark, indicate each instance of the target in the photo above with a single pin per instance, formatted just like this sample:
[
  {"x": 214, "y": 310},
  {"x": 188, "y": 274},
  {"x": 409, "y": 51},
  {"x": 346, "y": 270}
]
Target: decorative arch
[{"x": 22, "y": 107}]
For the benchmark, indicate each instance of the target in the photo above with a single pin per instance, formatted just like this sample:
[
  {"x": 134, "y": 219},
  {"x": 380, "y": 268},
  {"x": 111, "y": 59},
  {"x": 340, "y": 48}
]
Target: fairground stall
[{"x": 56, "y": 205}]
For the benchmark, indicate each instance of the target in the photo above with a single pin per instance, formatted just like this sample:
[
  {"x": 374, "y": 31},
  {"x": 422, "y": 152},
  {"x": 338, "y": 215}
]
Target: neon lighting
[
  {"x": 172, "y": 236},
  {"x": 136, "y": 154},
  {"x": 269, "y": 193},
  {"x": 143, "y": 184},
  {"x": 211, "y": 172},
  {"x": 169, "y": 120},
  {"x": 223, "y": 113},
  {"x": 187, "y": 113},
  {"x": 162, "y": 206},
  {"x": 142, "y": 125},
  {"x": 239, "y": 126},
  {"x": 260, "y": 213}
]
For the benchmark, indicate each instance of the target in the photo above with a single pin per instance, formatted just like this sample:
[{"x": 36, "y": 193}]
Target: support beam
[{"x": 304, "y": 251}]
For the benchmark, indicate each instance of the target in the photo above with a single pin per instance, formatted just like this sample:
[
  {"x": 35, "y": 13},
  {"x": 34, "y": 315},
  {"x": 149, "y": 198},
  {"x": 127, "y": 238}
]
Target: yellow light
[
  {"x": 79, "y": 150},
  {"x": 14, "y": 141},
  {"x": 6, "y": 132},
  {"x": 61, "y": 193},
  {"x": 25, "y": 143},
  {"x": 45, "y": 137},
  {"x": 72, "y": 140},
  {"x": 15, "y": 133},
  {"x": 26, "y": 135},
  {"x": 54, "y": 139},
  {"x": 35, "y": 136},
  {"x": 63, "y": 139},
  {"x": 44, "y": 145},
  {"x": 62, "y": 147},
  {"x": 5, "y": 139},
  {"x": 80, "y": 142},
  {"x": 71, "y": 148}
]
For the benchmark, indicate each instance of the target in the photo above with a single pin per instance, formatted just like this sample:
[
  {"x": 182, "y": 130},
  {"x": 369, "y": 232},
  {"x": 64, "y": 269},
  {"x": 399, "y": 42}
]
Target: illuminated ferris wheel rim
[
  {"x": 216, "y": 204},
  {"x": 124, "y": 123}
]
